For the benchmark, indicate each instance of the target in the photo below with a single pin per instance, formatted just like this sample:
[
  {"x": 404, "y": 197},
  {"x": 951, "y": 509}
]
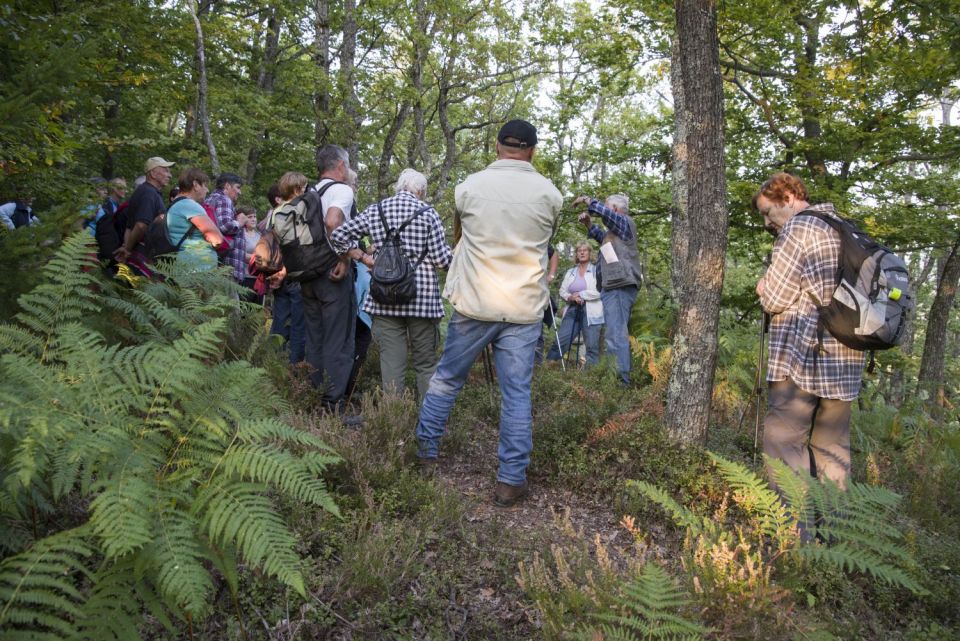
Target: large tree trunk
[
  {"x": 690, "y": 389},
  {"x": 202, "y": 114},
  {"x": 935, "y": 344}
]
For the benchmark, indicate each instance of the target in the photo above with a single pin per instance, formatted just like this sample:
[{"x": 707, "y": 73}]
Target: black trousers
[{"x": 330, "y": 316}]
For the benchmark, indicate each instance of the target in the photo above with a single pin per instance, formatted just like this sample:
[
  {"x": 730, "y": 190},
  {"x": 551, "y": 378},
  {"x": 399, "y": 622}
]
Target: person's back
[
  {"x": 497, "y": 284},
  {"x": 507, "y": 214}
]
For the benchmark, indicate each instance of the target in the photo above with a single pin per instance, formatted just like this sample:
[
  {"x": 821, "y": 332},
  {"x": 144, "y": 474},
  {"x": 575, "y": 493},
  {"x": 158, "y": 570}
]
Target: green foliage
[
  {"x": 162, "y": 450},
  {"x": 649, "y": 606},
  {"x": 852, "y": 530}
]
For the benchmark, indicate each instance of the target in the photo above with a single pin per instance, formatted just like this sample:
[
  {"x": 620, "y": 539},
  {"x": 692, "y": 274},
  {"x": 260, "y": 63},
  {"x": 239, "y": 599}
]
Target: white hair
[
  {"x": 620, "y": 202},
  {"x": 411, "y": 180}
]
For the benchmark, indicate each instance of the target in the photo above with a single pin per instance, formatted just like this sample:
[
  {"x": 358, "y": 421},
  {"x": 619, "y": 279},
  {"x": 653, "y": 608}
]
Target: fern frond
[
  {"x": 178, "y": 556},
  {"x": 683, "y": 517},
  {"x": 272, "y": 466},
  {"x": 843, "y": 555},
  {"x": 120, "y": 515},
  {"x": 38, "y": 595},
  {"x": 112, "y": 611},
  {"x": 754, "y": 495},
  {"x": 239, "y": 514}
]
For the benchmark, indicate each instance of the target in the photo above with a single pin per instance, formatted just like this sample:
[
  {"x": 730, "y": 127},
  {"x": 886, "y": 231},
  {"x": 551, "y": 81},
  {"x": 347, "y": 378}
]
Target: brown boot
[
  {"x": 427, "y": 467},
  {"x": 508, "y": 495}
]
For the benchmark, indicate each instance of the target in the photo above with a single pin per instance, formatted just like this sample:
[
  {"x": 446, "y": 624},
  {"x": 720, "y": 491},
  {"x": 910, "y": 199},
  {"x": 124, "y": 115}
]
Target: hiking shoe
[
  {"x": 508, "y": 495},
  {"x": 427, "y": 467},
  {"x": 353, "y": 421}
]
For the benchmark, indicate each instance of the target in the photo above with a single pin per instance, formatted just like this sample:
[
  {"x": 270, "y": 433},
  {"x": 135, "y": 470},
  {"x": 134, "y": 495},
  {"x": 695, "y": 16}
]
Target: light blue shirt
[
  {"x": 195, "y": 251},
  {"x": 361, "y": 286}
]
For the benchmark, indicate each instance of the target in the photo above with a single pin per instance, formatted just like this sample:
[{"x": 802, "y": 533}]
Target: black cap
[{"x": 520, "y": 131}]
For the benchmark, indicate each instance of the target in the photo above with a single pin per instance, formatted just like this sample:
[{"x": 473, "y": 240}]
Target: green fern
[
  {"x": 121, "y": 412},
  {"x": 855, "y": 526},
  {"x": 648, "y": 610}
]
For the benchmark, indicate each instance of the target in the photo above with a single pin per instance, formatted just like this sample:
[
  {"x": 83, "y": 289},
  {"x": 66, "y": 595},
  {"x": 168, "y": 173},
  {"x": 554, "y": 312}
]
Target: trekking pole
[
  {"x": 758, "y": 390},
  {"x": 575, "y": 335},
  {"x": 556, "y": 334}
]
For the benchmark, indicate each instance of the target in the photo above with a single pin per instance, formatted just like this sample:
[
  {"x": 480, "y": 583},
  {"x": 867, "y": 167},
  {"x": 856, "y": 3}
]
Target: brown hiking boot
[{"x": 509, "y": 495}]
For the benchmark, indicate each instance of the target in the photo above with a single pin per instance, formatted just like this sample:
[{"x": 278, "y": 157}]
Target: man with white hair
[
  {"x": 417, "y": 321},
  {"x": 619, "y": 270}
]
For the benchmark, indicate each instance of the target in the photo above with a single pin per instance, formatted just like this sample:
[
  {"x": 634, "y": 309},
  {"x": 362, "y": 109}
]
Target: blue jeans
[
  {"x": 288, "y": 308},
  {"x": 574, "y": 323},
  {"x": 513, "y": 347},
  {"x": 617, "y": 304}
]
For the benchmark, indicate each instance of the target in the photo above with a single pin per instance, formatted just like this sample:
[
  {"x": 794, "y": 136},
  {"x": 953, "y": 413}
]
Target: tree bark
[
  {"x": 383, "y": 169},
  {"x": 690, "y": 388},
  {"x": 348, "y": 82},
  {"x": 202, "y": 114},
  {"x": 321, "y": 58},
  {"x": 935, "y": 343},
  {"x": 678, "y": 176},
  {"x": 266, "y": 77}
]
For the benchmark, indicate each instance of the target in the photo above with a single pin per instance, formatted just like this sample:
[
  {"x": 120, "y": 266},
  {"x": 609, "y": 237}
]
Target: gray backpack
[
  {"x": 302, "y": 236},
  {"x": 872, "y": 301}
]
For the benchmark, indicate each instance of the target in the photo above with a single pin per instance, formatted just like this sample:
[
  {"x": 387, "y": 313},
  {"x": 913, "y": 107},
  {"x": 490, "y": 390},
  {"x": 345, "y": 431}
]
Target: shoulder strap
[
  {"x": 383, "y": 221},
  {"x": 404, "y": 224}
]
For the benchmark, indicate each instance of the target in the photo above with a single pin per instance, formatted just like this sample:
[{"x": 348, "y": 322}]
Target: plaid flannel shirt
[
  {"x": 424, "y": 232},
  {"x": 227, "y": 222},
  {"x": 803, "y": 269},
  {"x": 615, "y": 222}
]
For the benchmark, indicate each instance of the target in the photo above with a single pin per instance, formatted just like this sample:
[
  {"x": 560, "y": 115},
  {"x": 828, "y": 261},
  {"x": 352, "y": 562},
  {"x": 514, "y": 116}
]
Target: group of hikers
[{"x": 323, "y": 264}]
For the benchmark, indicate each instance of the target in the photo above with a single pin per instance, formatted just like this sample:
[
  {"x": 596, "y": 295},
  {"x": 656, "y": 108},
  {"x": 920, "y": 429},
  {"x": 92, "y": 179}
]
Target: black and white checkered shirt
[
  {"x": 803, "y": 268},
  {"x": 426, "y": 231}
]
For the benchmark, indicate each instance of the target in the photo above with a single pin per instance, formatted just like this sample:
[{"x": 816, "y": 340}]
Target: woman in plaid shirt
[
  {"x": 416, "y": 322},
  {"x": 807, "y": 425}
]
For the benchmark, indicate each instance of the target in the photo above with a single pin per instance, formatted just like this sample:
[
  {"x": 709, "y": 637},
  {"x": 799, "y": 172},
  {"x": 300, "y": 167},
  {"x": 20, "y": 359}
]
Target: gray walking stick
[
  {"x": 758, "y": 390},
  {"x": 556, "y": 334}
]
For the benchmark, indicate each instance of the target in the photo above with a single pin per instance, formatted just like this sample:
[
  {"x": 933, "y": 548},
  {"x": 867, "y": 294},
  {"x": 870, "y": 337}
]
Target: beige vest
[{"x": 507, "y": 215}]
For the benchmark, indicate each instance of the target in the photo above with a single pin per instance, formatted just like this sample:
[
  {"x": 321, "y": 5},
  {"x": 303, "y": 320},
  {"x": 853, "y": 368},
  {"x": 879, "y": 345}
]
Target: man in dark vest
[{"x": 620, "y": 275}]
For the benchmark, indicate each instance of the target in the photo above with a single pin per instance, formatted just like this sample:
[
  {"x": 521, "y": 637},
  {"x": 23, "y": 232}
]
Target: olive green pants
[{"x": 393, "y": 334}]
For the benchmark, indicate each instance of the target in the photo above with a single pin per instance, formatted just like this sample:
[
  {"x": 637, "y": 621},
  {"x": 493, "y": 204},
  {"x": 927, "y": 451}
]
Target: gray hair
[
  {"x": 620, "y": 202},
  {"x": 411, "y": 180},
  {"x": 352, "y": 179},
  {"x": 329, "y": 156}
]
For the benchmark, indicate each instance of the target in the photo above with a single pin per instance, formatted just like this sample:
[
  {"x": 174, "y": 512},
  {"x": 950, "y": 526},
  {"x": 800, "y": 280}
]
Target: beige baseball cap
[{"x": 155, "y": 162}]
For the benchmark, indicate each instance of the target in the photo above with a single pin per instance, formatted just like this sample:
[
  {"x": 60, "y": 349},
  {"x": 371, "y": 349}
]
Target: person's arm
[
  {"x": 780, "y": 286},
  {"x": 614, "y": 220},
  {"x": 5, "y": 213},
  {"x": 344, "y": 238},
  {"x": 210, "y": 232},
  {"x": 438, "y": 251},
  {"x": 565, "y": 285},
  {"x": 590, "y": 293},
  {"x": 131, "y": 238},
  {"x": 226, "y": 218},
  {"x": 552, "y": 264}
]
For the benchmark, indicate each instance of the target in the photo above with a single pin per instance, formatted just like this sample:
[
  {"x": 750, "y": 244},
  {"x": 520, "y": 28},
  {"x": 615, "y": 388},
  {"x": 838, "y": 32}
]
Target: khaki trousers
[{"x": 393, "y": 334}]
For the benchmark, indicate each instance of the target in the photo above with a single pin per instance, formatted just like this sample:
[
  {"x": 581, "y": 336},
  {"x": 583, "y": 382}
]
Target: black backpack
[
  {"x": 872, "y": 301},
  {"x": 393, "y": 279},
  {"x": 21, "y": 215},
  {"x": 302, "y": 236},
  {"x": 157, "y": 238},
  {"x": 110, "y": 229}
]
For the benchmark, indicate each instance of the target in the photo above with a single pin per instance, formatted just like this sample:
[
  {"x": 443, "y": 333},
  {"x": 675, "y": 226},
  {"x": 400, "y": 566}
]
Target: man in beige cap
[{"x": 144, "y": 205}]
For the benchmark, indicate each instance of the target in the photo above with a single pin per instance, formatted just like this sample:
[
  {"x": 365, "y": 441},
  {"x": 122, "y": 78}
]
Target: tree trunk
[
  {"x": 678, "y": 176},
  {"x": 266, "y": 76},
  {"x": 383, "y": 169},
  {"x": 321, "y": 58},
  {"x": 898, "y": 381},
  {"x": 935, "y": 343},
  {"x": 348, "y": 82},
  {"x": 690, "y": 388},
  {"x": 202, "y": 114}
]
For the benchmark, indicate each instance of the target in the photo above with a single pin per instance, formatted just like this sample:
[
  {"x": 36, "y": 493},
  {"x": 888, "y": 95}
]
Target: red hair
[{"x": 779, "y": 186}]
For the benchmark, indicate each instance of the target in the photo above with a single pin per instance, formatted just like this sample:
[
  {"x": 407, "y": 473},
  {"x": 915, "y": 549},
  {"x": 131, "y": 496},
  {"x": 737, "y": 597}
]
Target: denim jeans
[
  {"x": 574, "y": 323},
  {"x": 288, "y": 308},
  {"x": 513, "y": 347},
  {"x": 617, "y": 304}
]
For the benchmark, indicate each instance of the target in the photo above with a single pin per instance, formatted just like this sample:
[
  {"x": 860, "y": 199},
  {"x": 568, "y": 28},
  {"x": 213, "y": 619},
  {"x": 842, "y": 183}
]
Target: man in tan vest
[{"x": 497, "y": 285}]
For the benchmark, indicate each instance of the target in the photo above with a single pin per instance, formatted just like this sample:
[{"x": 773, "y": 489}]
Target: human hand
[
  {"x": 577, "y": 299},
  {"x": 584, "y": 219},
  {"x": 367, "y": 259},
  {"x": 761, "y": 286},
  {"x": 276, "y": 279},
  {"x": 242, "y": 220},
  {"x": 339, "y": 271},
  {"x": 121, "y": 255},
  {"x": 581, "y": 200}
]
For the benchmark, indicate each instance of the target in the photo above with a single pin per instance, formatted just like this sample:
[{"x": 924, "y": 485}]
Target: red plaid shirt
[{"x": 803, "y": 269}]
